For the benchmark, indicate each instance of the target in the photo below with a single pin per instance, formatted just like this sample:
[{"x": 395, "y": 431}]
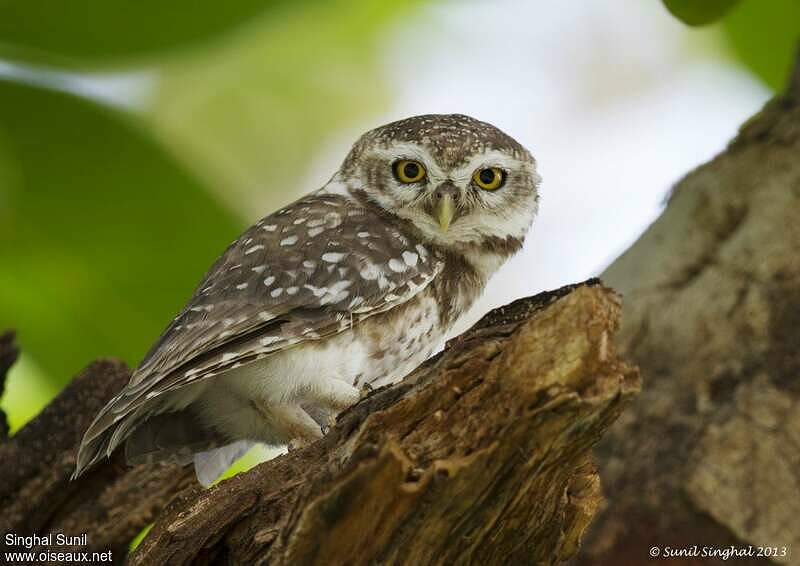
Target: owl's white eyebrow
[
  {"x": 410, "y": 150},
  {"x": 491, "y": 158},
  {"x": 400, "y": 150}
]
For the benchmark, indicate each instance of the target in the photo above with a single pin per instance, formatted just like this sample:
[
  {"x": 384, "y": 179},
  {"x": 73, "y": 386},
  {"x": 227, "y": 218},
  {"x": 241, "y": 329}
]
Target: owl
[{"x": 348, "y": 288}]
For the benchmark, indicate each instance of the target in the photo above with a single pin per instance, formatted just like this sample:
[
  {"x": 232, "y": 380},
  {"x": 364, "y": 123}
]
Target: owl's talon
[{"x": 366, "y": 389}]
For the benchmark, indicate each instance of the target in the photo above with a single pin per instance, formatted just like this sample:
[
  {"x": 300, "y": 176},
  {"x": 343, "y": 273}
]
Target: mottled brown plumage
[{"x": 354, "y": 284}]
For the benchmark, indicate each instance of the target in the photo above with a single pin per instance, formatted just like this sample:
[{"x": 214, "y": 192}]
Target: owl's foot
[
  {"x": 330, "y": 422},
  {"x": 334, "y": 394},
  {"x": 289, "y": 421},
  {"x": 296, "y": 444},
  {"x": 366, "y": 389}
]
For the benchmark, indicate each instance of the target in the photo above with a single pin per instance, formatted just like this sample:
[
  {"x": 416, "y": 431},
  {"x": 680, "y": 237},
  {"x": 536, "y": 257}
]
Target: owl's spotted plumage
[{"x": 354, "y": 284}]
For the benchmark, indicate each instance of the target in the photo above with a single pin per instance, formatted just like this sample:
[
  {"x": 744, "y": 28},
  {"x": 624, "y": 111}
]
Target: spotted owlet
[{"x": 351, "y": 286}]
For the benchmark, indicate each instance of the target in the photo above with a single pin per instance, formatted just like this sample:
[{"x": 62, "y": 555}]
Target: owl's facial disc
[
  {"x": 448, "y": 195},
  {"x": 489, "y": 194},
  {"x": 460, "y": 182}
]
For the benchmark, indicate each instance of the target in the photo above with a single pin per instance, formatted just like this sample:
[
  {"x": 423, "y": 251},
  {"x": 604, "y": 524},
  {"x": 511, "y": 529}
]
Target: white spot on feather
[
  {"x": 370, "y": 272},
  {"x": 254, "y": 249},
  {"x": 383, "y": 282},
  {"x": 333, "y": 219},
  {"x": 397, "y": 265},
  {"x": 202, "y": 308},
  {"x": 290, "y": 241},
  {"x": 267, "y": 340},
  {"x": 333, "y": 257},
  {"x": 316, "y": 291},
  {"x": 410, "y": 258},
  {"x": 336, "y": 292}
]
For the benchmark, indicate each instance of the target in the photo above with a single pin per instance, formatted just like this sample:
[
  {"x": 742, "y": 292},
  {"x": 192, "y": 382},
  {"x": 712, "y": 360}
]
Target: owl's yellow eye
[
  {"x": 489, "y": 179},
  {"x": 408, "y": 171}
]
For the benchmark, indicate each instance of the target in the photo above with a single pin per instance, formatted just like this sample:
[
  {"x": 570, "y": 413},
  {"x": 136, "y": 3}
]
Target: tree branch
[
  {"x": 479, "y": 454},
  {"x": 111, "y": 504},
  {"x": 712, "y": 311},
  {"x": 483, "y": 452}
]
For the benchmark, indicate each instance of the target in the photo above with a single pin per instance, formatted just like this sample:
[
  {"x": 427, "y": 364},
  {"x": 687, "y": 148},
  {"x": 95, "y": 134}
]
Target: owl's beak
[{"x": 444, "y": 211}]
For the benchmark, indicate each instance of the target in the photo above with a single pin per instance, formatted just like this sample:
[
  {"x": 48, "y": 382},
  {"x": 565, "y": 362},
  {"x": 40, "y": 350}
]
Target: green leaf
[
  {"x": 699, "y": 12},
  {"x": 764, "y": 35},
  {"x": 100, "y": 31},
  {"x": 102, "y": 235}
]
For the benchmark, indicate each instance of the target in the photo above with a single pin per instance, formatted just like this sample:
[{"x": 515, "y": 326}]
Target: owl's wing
[{"x": 307, "y": 272}]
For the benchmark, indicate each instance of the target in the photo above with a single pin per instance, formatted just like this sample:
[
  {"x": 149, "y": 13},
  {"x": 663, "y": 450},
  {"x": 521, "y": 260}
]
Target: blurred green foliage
[
  {"x": 763, "y": 34},
  {"x": 27, "y": 390},
  {"x": 699, "y": 13},
  {"x": 101, "y": 32},
  {"x": 102, "y": 235}
]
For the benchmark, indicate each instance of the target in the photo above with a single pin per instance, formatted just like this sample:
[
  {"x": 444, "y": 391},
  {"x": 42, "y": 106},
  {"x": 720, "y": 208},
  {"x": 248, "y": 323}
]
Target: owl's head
[{"x": 460, "y": 182}]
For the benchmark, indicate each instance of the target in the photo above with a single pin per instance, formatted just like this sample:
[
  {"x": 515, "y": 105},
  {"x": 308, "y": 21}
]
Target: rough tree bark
[
  {"x": 480, "y": 455},
  {"x": 710, "y": 453},
  {"x": 112, "y": 503}
]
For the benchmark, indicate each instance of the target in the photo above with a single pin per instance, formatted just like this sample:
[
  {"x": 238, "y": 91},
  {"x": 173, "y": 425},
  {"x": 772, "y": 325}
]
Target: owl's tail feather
[
  {"x": 170, "y": 438},
  {"x": 90, "y": 452},
  {"x": 101, "y": 439},
  {"x": 121, "y": 418}
]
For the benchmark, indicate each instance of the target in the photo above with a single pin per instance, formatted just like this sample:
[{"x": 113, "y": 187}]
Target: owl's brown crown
[{"x": 450, "y": 137}]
